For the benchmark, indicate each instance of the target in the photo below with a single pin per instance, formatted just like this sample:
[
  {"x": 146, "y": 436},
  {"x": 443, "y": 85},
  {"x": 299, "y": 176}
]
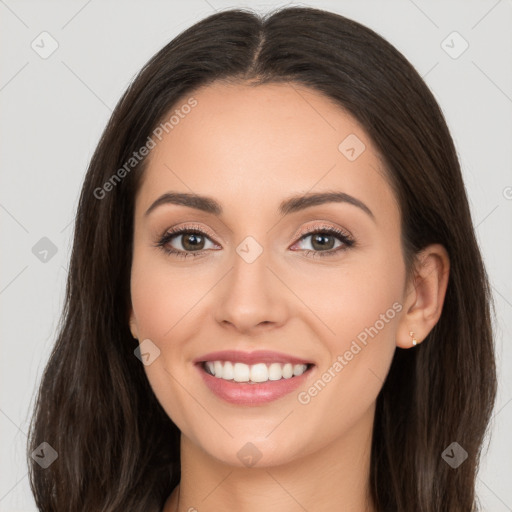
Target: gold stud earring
[{"x": 414, "y": 340}]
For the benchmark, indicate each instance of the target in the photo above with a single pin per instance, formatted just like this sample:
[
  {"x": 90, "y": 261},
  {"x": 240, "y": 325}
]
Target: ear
[
  {"x": 133, "y": 325},
  {"x": 424, "y": 295}
]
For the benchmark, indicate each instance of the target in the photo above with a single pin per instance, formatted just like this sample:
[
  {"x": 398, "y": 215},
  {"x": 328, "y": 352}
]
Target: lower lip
[{"x": 244, "y": 393}]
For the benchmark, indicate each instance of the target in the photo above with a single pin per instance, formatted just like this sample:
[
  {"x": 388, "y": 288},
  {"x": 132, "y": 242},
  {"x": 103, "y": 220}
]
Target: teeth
[
  {"x": 240, "y": 372},
  {"x": 260, "y": 372},
  {"x": 228, "y": 372}
]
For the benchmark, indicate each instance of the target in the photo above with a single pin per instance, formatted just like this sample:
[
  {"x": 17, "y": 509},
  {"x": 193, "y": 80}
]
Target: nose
[{"x": 251, "y": 298}]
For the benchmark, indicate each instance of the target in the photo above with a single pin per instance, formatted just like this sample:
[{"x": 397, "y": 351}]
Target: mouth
[
  {"x": 253, "y": 378},
  {"x": 258, "y": 373}
]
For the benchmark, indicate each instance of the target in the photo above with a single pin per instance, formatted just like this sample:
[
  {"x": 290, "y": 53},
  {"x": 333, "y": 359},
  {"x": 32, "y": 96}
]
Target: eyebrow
[{"x": 290, "y": 205}]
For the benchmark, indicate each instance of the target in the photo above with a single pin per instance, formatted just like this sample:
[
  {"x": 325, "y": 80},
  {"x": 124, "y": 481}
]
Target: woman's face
[{"x": 258, "y": 278}]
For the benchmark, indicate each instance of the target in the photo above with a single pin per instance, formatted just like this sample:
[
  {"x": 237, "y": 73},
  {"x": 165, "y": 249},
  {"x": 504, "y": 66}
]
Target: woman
[{"x": 275, "y": 299}]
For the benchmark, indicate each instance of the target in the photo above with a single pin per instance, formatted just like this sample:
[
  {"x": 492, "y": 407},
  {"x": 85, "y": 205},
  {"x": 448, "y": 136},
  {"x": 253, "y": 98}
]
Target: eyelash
[{"x": 169, "y": 235}]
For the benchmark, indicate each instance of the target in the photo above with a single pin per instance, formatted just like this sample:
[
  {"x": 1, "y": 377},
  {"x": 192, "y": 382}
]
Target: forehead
[{"x": 254, "y": 145}]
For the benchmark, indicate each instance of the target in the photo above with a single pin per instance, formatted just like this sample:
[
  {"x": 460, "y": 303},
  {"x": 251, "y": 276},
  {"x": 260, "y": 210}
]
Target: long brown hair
[{"x": 117, "y": 448}]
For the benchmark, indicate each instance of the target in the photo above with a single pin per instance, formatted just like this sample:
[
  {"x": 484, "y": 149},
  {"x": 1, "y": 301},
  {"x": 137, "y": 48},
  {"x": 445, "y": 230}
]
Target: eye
[
  {"x": 184, "y": 242},
  {"x": 323, "y": 241}
]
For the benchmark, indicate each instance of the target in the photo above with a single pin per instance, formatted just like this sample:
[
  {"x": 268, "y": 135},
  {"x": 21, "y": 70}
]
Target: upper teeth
[{"x": 260, "y": 372}]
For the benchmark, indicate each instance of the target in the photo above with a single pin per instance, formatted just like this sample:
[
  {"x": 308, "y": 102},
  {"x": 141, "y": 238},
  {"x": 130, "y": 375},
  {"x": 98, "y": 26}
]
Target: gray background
[{"x": 53, "y": 110}]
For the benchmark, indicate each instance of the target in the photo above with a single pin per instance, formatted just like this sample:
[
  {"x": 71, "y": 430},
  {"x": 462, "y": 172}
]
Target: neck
[{"x": 335, "y": 478}]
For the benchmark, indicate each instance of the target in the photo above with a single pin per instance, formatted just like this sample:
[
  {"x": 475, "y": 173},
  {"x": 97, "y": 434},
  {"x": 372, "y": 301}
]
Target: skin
[{"x": 250, "y": 148}]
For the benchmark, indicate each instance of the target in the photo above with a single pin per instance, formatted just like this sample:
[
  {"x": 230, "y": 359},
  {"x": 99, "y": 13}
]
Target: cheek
[
  {"x": 365, "y": 299},
  {"x": 162, "y": 296},
  {"x": 363, "y": 294},
  {"x": 163, "y": 302},
  {"x": 359, "y": 307}
]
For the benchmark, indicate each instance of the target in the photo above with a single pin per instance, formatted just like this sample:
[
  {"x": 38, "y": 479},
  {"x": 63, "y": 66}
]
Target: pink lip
[
  {"x": 257, "y": 356},
  {"x": 244, "y": 393}
]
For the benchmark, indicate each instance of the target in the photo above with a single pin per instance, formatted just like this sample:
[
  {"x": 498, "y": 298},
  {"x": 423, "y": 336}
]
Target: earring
[{"x": 414, "y": 340}]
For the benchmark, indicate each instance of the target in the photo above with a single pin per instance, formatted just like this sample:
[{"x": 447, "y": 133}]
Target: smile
[
  {"x": 256, "y": 373},
  {"x": 255, "y": 384}
]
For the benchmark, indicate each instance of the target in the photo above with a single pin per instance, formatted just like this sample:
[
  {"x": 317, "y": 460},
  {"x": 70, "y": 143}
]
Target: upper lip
[{"x": 257, "y": 356}]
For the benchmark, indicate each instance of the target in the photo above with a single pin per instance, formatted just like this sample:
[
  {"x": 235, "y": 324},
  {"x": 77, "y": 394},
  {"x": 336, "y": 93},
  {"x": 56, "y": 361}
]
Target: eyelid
[
  {"x": 308, "y": 230},
  {"x": 189, "y": 227}
]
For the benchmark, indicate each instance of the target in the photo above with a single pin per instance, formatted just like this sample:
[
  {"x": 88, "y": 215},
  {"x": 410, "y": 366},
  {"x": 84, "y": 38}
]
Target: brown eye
[
  {"x": 184, "y": 242},
  {"x": 323, "y": 242},
  {"x": 192, "y": 241}
]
